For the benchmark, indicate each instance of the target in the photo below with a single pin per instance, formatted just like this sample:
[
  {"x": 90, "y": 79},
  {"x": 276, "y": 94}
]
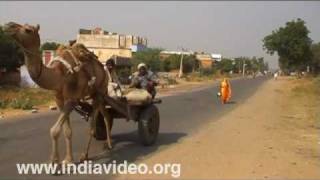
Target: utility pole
[
  {"x": 181, "y": 63},
  {"x": 243, "y": 68},
  {"x": 239, "y": 70}
]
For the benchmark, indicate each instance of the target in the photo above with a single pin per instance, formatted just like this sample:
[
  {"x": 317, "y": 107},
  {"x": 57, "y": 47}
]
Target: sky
[{"x": 232, "y": 29}]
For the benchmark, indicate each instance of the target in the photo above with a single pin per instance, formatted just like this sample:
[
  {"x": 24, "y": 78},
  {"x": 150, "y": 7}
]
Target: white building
[
  {"x": 177, "y": 52},
  {"x": 216, "y": 57}
]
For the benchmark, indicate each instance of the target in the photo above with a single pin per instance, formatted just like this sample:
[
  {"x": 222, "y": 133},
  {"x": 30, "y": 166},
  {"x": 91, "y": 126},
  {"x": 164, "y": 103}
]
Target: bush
[
  {"x": 23, "y": 98},
  {"x": 11, "y": 56},
  {"x": 24, "y": 104},
  {"x": 49, "y": 46},
  {"x": 207, "y": 72},
  {"x": 3, "y": 103},
  {"x": 165, "y": 65},
  {"x": 172, "y": 81}
]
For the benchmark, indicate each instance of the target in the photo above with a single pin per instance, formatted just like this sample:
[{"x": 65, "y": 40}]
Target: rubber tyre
[
  {"x": 100, "y": 132},
  {"x": 148, "y": 125}
]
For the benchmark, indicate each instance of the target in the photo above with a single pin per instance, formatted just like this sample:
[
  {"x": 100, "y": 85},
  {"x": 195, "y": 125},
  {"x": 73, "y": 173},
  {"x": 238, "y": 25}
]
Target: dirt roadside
[{"x": 274, "y": 134}]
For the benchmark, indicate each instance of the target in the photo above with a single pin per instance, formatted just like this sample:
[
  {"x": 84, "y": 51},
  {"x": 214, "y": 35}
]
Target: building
[
  {"x": 216, "y": 57},
  {"x": 165, "y": 54},
  {"x": 106, "y": 44},
  {"x": 206, "y": 60}
]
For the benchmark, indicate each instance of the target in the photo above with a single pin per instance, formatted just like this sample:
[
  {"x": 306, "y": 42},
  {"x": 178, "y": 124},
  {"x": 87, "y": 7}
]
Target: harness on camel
[{"x": 76, "y": 64}]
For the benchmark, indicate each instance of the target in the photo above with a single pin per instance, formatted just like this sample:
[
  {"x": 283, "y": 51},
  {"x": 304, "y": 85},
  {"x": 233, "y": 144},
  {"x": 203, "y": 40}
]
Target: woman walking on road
[{"x": 225, "y": 90}]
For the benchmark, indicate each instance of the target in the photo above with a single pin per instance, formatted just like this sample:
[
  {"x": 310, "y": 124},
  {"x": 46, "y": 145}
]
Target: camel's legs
[
  {"x": 93, "y": 118},
  {"x": 55, "y": 132},
  {"x": 98, "y": 106},
  {"x": 106, "y": 116},
  {"x": 101, "y": 107},
  {"x": 68, "y": 135}
]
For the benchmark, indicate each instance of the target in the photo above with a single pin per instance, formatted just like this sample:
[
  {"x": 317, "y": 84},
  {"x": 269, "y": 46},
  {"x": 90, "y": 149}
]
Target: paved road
[{"x": 27, "y": 140}]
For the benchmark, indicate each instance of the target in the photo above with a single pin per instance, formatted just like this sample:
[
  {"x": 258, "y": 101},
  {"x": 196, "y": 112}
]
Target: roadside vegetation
[
  {"x": 192, "y": 69},
  {"x": 300, "y": 113},
  {"x": 11, "y": 57},
  {"x": 308, "y": 88},
  {"x": 296, "y": 51},
  {"x": 23, "y": 98},
  {"x": 301, "y": 116}
]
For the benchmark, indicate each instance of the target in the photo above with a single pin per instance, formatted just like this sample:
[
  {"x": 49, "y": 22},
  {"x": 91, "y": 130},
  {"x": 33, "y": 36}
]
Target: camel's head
[{"x": 26, "y": 35}]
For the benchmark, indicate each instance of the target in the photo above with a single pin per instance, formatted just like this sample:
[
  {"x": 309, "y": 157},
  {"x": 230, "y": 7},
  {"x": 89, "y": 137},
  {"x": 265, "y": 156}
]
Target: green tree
[
  {"x": 49, "y": 46},
  {"x": 253, "y": 65},
  {"x": 239, "y": 61},
  {"x": 225, "y": 65},
  {"x": 237, "y": 65},
  {"x": 165, "y": 65},
  {"x": 149, "y": 56},
  {"x": 292, "y": 44},
  {"x": 261, "y": 64},
  {"x": 315, "y": 62},
  {"x": 173, "y": 61},
  {"x": 190, "y": 63},
  {"x": 11, "y": 57}
]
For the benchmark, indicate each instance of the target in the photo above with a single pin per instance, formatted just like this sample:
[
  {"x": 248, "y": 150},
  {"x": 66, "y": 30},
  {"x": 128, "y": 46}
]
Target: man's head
[
  {"x": 142, "y": 68},
  {"x": 110, "y": 64}
]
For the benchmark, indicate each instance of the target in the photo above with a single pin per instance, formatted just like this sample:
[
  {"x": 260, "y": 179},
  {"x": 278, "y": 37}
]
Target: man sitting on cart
[
  {"x": 144, "y": 79},
  {"x": 114, "y": 89}
]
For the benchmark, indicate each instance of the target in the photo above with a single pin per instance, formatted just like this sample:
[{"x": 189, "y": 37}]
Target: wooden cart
[{"x": 145, "y": 114}]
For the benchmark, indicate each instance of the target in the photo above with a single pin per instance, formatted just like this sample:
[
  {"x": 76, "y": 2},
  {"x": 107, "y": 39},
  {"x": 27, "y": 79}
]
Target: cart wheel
[
  {"x": 148, "y": 125},
  {"x": 101, "y": 133}
]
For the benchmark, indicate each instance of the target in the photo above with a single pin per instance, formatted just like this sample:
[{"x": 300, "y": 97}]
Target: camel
[{"x": 69, "y": 87}]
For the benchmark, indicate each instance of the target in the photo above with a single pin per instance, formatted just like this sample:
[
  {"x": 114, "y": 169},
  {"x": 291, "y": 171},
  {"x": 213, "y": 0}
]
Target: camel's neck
[{"x": 45, "y": 77}]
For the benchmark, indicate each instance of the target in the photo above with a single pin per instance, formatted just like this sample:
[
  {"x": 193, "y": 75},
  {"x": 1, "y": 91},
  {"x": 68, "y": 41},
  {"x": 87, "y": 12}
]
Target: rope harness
[
  {"x": 66, "y": 64},
  {"x": 72, "y": 69}
]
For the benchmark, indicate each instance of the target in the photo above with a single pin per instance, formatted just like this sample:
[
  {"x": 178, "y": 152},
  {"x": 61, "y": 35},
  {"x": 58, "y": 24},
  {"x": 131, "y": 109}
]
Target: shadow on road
[
  {"x": 231, "y": 102},
  {"x": 127, "y": 147}
]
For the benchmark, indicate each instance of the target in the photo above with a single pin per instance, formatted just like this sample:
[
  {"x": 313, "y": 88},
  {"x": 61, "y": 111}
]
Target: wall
[
  {"x": 106, "y": 45},
  {"x": 105, "y": 53},
  {"x": 206, "y": 63},
  {"x": 205, "y": 60}
]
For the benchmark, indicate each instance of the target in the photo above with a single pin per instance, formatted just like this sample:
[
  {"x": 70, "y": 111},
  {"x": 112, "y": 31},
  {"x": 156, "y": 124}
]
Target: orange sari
[{"x": 225, "y": 90}]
